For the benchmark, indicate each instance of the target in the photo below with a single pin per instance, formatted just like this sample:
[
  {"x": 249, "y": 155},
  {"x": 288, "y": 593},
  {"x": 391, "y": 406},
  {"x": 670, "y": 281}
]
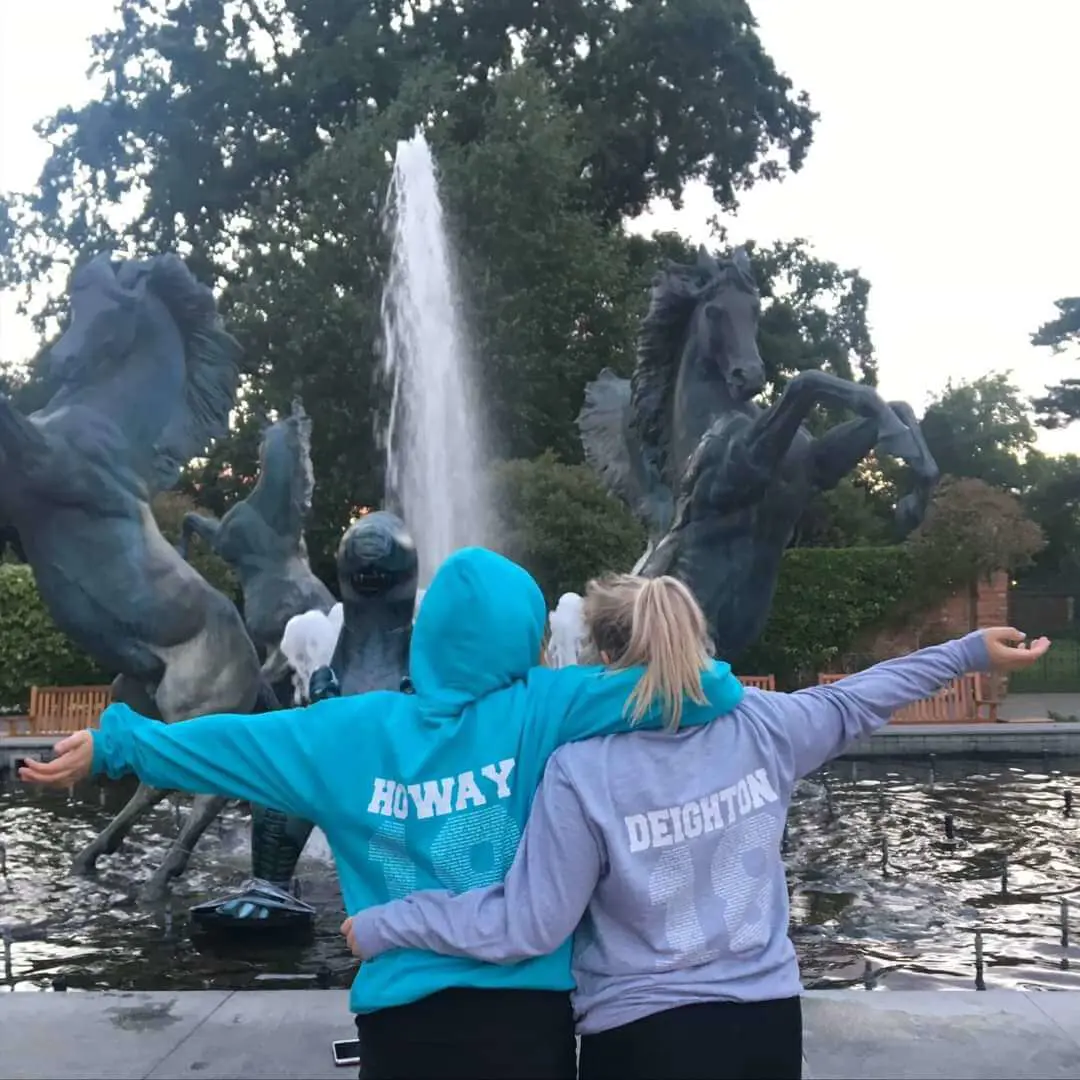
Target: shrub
[
  {"x": 33, "y": 652},
  {"x": 825, "y": 597},
  {"x": 559, "y": 523}
]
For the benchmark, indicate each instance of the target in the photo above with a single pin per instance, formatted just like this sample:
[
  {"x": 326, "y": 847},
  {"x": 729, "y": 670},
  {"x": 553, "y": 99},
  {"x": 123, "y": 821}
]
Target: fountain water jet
[{"x": 434, "y": 440}]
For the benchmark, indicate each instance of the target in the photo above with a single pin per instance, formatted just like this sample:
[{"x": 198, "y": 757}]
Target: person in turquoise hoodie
[{"x": 419, "y": 791}]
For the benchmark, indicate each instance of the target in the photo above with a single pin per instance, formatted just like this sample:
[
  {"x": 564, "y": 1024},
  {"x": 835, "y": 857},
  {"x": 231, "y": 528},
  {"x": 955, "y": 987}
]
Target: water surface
[{"x": 911, "y": 916}]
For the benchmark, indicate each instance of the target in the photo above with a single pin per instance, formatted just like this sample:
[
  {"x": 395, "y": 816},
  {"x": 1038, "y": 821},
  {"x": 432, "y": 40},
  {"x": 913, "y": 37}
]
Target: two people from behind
[{"x": 431, "y": 791}]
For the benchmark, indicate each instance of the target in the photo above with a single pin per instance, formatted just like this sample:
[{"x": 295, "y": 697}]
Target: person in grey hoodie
[{"x": 662, "y": 849}]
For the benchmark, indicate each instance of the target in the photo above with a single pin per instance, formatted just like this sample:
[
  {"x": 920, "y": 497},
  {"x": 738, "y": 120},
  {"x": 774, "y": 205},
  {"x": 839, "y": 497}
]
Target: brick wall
[{"x": 984, "y": 603}]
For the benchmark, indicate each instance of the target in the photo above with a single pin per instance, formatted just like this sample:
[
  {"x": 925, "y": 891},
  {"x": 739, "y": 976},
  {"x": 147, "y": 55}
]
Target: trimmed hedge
[
  {"x": 33, "y": 652},
  {"x": 825, "y": 598}
]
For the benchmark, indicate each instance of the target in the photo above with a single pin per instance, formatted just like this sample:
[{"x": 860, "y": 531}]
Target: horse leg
[
  {"x": 911, "y": 509},
  {"x": 923, "y": 463},
  {"x": 235, "y": 687},
  {"x": 839, "y": 450},
  {"x": 203, "y": 527},
  {"x": 771, "y": 434},
  {"x": 137, "y": 695},
  {"x": 110, "y": 839},
  {"x": 20, "y": 440},
  {"x": 203, "y": 811}
]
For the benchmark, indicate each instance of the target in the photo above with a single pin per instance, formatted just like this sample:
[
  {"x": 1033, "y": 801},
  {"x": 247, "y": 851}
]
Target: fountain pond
[{"x": 884, "y": 892}]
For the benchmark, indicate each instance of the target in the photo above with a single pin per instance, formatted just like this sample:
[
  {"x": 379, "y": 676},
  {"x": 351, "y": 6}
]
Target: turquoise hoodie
[{"x": 415, "y": 791}]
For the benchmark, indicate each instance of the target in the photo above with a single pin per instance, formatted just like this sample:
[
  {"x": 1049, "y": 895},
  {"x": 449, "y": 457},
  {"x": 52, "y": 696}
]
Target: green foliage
[
  {"x": 33, "y": 652},
  {"x": 1061, "y": 404},
  {"x": 561, "y": 525},
  {"x": 825, "y": 598},
  {"x": 972, "y": 529},
  {"x": 981, "y": 429},
  {"x": 1052, "y": 499},
  {"x": 169, "y": 509},
  {"x": 265, "y": 164}
]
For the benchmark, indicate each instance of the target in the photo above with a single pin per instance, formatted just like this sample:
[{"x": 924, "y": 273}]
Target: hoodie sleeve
[
  {"x": 278, "y": 759},
  {"x": 531, "y": 913},
  {"x": 576, "y": 703},
  {"x": 814, "y": 725}
]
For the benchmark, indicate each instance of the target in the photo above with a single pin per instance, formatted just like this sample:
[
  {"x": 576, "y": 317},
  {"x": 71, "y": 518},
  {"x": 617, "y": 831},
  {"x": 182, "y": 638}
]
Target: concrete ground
[
  {"x": 247, "y": 1035},
  {"x": 1036, "y": 706}
]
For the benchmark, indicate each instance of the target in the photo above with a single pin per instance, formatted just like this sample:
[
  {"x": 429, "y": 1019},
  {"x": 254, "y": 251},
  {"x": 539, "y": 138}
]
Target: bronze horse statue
[
  {"x": 262, "y": 538},
  {"x": 147, "y": 377},
  {"x": 718, "y": 481}
]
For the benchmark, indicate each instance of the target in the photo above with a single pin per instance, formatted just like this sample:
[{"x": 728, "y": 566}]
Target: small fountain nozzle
[{"x": 324, "y": 684}]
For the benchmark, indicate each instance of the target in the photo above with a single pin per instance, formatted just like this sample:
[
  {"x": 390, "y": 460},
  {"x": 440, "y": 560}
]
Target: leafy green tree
[
  {"x": 208, "y": 104},
  {"x": 560, "y": 524},
  {"x": 1060, "y": 406},
  {"x": 254, "y": 136},
  {"x": 1052, "y": 499},
  {"x": 972, "y": 528},
  {"x": 981, "y": 429}
]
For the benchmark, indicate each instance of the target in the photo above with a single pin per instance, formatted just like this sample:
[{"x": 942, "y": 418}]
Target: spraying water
[
  {"x": 434, "y": 442},
  {"x": 567, "y": 624}
]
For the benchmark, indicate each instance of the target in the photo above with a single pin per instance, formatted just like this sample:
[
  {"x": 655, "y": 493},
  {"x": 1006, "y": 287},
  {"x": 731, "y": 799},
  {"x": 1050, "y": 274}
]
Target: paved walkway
[{"x": 254, "y": 1034}]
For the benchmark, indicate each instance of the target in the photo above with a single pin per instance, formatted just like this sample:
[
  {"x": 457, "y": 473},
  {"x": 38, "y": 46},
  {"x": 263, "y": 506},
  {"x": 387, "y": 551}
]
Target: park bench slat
[{"x": 61, "y": 710}]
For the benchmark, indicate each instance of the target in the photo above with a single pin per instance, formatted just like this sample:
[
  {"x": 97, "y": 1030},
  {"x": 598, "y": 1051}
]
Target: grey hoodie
[{"x": 666, "y": 850}]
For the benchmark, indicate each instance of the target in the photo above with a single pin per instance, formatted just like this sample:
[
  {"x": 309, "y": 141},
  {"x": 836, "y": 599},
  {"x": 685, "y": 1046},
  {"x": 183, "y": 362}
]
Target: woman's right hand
[
  {"x": 73, "y": 762},
  {"x": 1009, "y": 651}
]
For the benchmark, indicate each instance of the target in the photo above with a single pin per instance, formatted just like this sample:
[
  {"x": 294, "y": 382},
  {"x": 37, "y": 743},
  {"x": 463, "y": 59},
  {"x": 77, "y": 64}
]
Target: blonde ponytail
[{"x": 653, "y": 623}]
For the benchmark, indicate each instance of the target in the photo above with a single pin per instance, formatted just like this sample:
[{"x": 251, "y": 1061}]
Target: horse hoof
[{"x": 84, "y": 864}]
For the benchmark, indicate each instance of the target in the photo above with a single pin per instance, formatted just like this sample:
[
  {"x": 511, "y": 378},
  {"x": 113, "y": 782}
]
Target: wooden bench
[
  {"x": 14, "y": 725},
  {"x": 759, "y": 682},
  {"x": 967, "y": 700},
  {"x": 61, "y": 710}
]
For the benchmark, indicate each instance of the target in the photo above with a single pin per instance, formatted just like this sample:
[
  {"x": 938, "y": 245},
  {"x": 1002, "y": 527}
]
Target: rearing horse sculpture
[
  {"x": 262, "y": 539},
  {"x": 147, "y": 377},
  {"x": 718, "y": 481}
]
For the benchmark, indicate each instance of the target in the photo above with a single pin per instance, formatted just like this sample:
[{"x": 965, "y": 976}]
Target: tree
[
  {"x": 254, "y": 137},
  {"x": 1060, "y": 406},
  {"x": 209, "y": 103},
  {"x": 1052, "y": 499},
  {"x": 972, "y": 528},
  {"x": 560, "y": 524},
  {"x": 981, "y": 429}
]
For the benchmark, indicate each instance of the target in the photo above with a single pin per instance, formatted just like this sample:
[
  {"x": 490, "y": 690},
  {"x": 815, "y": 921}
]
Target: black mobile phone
[{"x": 347, "y": 1052}]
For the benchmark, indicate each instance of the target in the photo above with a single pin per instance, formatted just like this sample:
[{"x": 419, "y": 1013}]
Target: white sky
[{"x": 942, "y": 167}]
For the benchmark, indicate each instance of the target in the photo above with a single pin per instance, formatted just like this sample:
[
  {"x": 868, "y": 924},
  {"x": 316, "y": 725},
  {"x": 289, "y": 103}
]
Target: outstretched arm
[
  {"x": 531, "y": 913},
  {"x": 814, "y": 725},
  {"x": 282, "y": 759}
]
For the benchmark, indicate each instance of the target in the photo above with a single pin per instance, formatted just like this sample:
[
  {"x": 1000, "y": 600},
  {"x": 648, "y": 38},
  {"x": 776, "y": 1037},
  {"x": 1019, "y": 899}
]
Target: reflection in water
[{"x": 878, "y": 890}]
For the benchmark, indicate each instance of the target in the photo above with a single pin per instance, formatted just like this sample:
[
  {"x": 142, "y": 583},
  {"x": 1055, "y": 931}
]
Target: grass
[{"x": 1058, "y": 672}]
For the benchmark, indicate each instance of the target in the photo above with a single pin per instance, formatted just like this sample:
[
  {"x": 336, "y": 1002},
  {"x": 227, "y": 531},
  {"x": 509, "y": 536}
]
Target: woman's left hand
[{"x": 73, "y": 762}]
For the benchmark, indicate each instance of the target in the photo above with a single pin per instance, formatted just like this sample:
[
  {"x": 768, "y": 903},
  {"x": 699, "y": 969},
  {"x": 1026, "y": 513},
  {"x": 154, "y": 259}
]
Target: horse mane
[
  {"x": 282, "y": 496},
  {"x": 211, "y": 355},
  {"x": 676, "y": 293}
]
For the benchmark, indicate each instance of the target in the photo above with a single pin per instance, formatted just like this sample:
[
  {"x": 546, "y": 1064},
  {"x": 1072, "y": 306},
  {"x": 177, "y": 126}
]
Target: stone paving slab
[
  {"x": 925, "y": 1035},
  {"x": 271, "y": 1034},
  {"x": 106, "y": 1035},
  {"x": 248, "y": 1035}
]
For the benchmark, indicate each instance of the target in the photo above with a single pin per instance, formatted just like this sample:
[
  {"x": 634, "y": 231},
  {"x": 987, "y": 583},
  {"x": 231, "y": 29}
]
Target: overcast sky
[{"x": 942, "y": 167}]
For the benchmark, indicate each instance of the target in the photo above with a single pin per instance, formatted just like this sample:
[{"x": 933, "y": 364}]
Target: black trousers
[
  {"x": 720, "y": 1040},
  {"x": 471, "y": 1035}
]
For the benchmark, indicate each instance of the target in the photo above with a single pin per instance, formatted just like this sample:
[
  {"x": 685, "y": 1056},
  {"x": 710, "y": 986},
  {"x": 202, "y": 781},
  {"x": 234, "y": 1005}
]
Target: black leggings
[
  {"x": 721, "y": 1040},
  {"x": 471, "y": 1035}
]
